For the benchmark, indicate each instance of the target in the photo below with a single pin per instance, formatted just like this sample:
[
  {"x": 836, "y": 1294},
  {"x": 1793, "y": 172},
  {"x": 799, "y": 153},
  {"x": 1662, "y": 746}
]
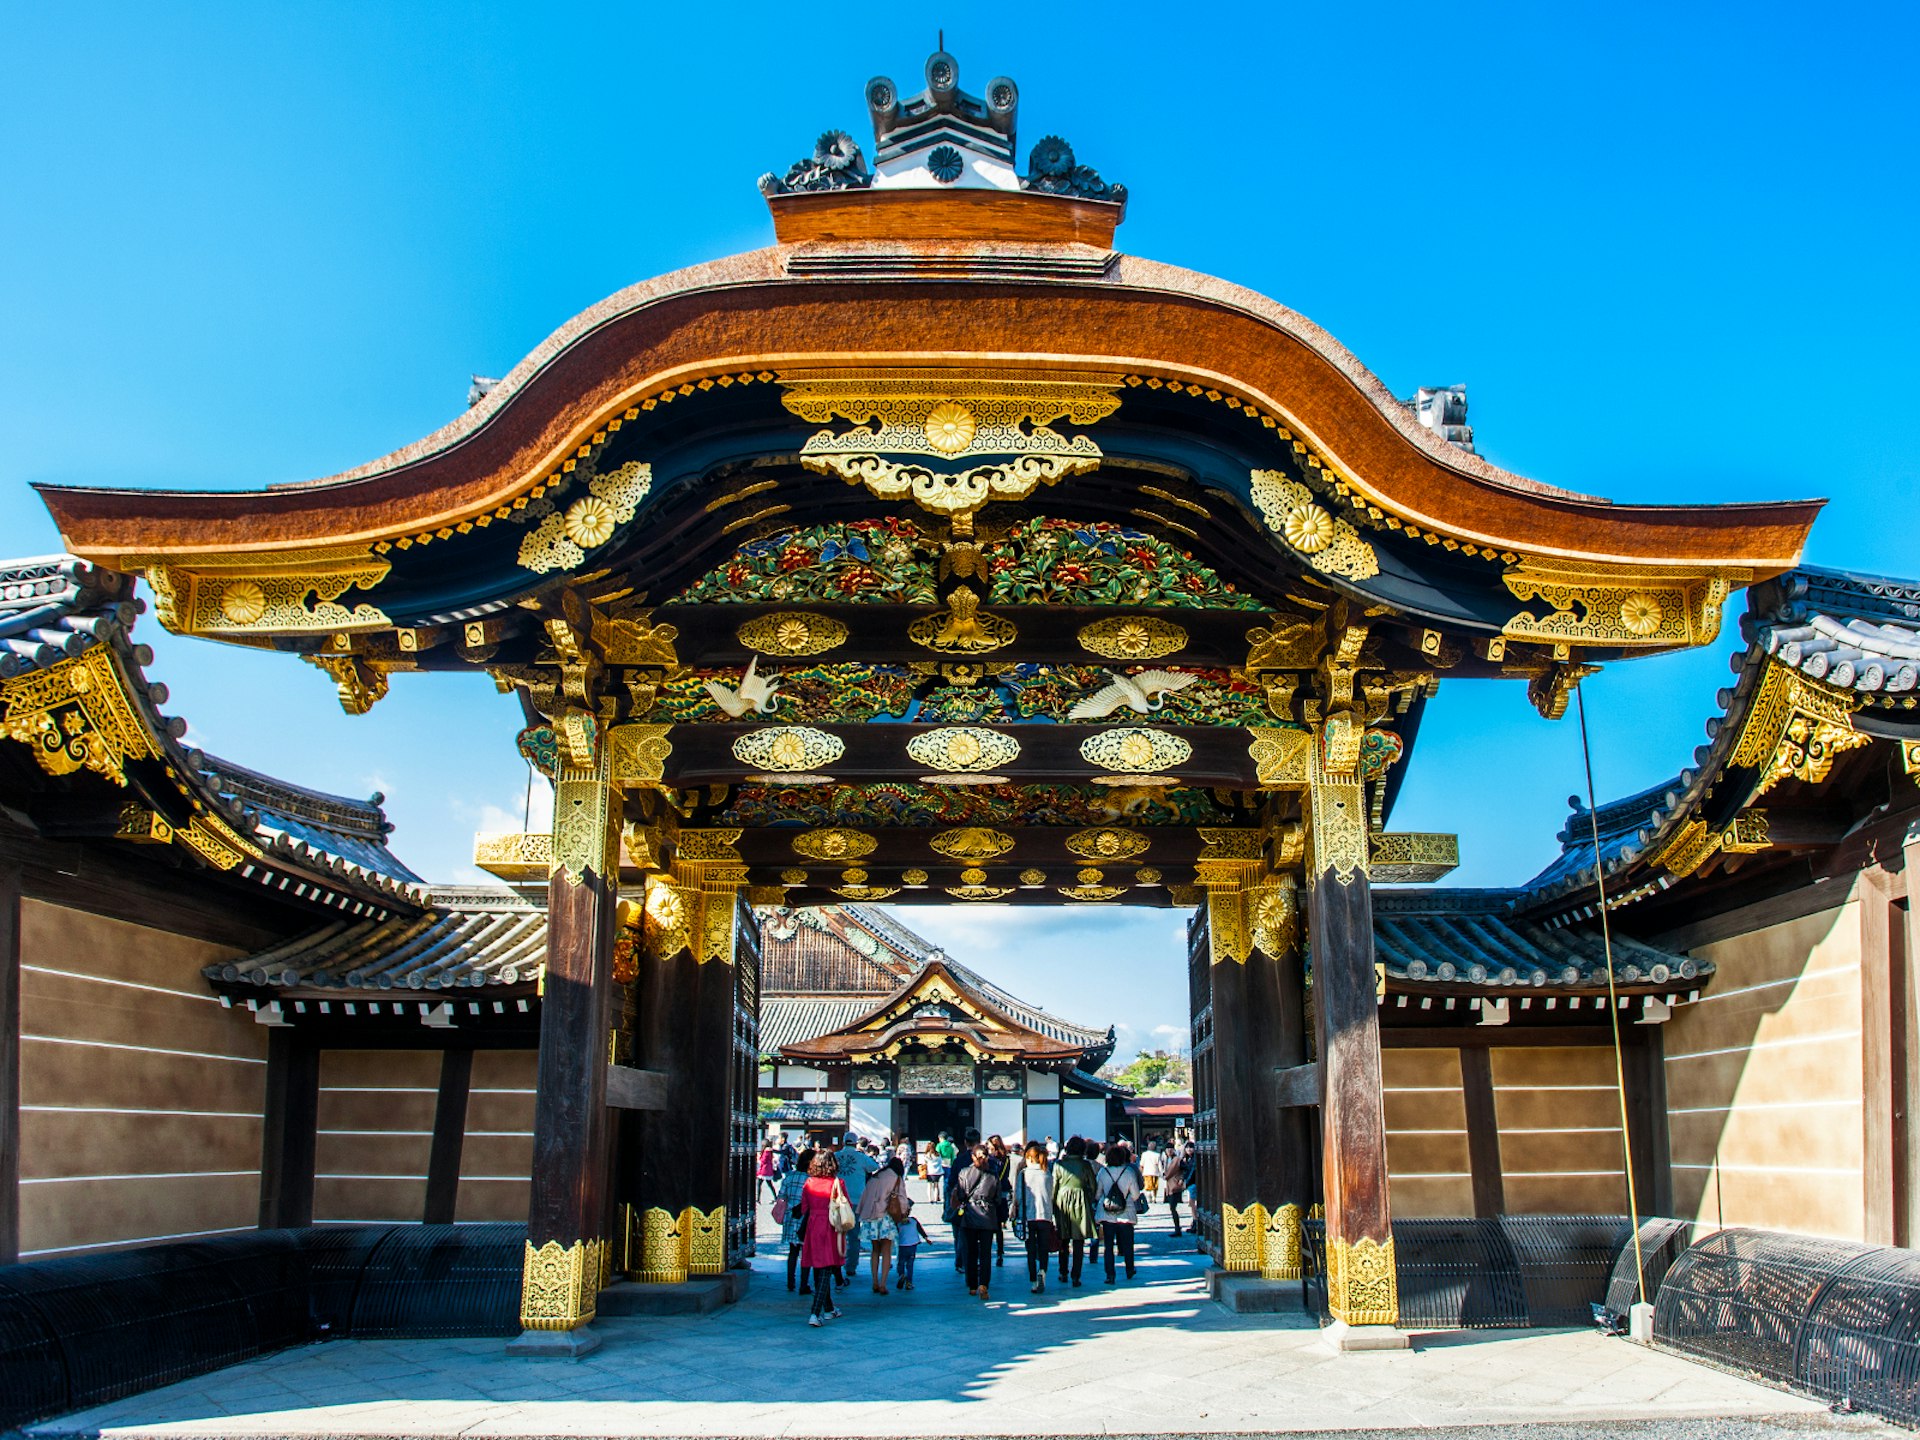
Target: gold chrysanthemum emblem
[
  {"x": 1136, "y": 752},
  {"x": 590, "y": 522},
  {"x": 787, "y": 752},
  {"x": 1641, "y": 614},
  {"x": 1308, "y": 529},
  {"x": 950, "y": 428},
  {"x": 243, "y": 602},
  {"x": 794, "y": 633},
  {"x": 1132, "y": 638}
]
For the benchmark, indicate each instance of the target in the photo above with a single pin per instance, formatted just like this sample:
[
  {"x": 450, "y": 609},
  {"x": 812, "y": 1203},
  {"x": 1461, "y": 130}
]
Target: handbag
[
  {"x": 840, "y": 1210},
  {"x": 898, "y": 1206},
  {"x": 780, "y": 1211}
]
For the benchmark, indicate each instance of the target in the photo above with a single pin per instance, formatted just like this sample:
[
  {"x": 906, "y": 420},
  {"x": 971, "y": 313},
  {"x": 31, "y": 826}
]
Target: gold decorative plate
[
  {"x": 1135, "y": 749},
  {"x": 787, "y": 749}
]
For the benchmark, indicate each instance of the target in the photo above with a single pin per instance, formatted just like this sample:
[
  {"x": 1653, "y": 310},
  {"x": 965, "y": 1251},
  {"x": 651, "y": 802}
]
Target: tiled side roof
[
  {"x": 1452, "y": 941},
  {"x": 320, "y": 847},
  {"x": 1853, "y": 632},
  {"x": 470, "y": 937}
]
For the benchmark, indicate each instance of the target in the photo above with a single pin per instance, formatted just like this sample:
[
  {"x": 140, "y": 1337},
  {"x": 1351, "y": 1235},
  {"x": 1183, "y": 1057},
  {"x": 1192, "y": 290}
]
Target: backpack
[{"x": 1111, "y": 1200}]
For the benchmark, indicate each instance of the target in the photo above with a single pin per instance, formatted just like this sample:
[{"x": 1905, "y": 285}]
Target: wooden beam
[
  {"x": 449, "y": 1135},
  {"x": 1483, "y": 1131},
  {"x": 289, "y": 1131},
  {"x": 1297, "y": 1086},
  {"x": 632, "y": 1089},
  {"x": 9, "y": 1065},
  {"x": 1470, "y": 1037}
]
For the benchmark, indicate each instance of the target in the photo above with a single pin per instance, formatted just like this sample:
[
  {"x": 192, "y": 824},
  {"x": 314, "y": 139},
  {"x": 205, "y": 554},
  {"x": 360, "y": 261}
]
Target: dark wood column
[
  {"x": 9, "y": 1065},
  {"x": 688, "y": 998},
  {"x": 1483, "y": 1131},
  {"x": 566, "y": 1254},
  {"x": 449, "y": 1136},
  {"x": 290, "y": 1130},
  {"x": 1361, "y": 1285},
  {"x": 1644, "y": 1059},
  {"x": 1265, "y": 1151}
]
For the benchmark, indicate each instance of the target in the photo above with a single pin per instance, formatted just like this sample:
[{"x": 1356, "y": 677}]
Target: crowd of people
[{"x": 1078, "y": 1201}]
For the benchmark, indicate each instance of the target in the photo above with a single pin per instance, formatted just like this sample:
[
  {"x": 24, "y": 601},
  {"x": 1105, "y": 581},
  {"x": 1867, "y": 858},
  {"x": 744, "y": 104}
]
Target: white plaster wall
[
  {"x": 1043, "y": 1085},
  {"x": 1006, "y": 1118},
  {"x": 870, "y": 1116},
  {"x": 1082, "y": 1116}
]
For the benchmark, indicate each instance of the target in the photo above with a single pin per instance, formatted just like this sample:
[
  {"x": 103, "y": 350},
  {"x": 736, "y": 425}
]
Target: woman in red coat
[{"x": 823, "y": 1250}]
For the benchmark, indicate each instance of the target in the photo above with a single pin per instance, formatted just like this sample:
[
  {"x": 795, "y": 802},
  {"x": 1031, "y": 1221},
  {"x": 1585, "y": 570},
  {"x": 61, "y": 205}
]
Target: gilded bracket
[
  {"x": 291, "y": 592},
  {"x": 1795, "y": 730},
  {"x": 74, "y": 715},
  {"x": 1617, "y": 605}
]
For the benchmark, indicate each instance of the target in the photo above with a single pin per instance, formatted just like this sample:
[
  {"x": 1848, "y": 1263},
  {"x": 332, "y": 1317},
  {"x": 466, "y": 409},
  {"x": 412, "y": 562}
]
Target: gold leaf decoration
[
  {"x": 1128, "y": 637},
  {"x": 1279, "y": 755},
  {"x": 913, "y": 878},
  {"x": 835, "y": 843},
  {"x": 638, "y": 753},
  {"x": 973, "y": 875},
  {"x": 793, "y": 877},
  {"x": 1330, "y": 546},
  {"x": 866, "y": 892},
  {"x": 1135, "y": 750},
  {"x": 963, "y": 630},
  {"x": 980, "y": 892},
  {"x": 1107, "y": 843},
  {"x": 1362, "y": 1285},
  {"x": 963, "y": 748},
  {"x": 1146, "y": 875},
  {"x": 792, "y": 632},
  {"x": 1092, "y": 892},
  {"x": 561, "y": 540},
  {"x": 1031, "y": 878},
  {"x": 783, "y": 748},
  {"x": 971, "y": 842}
]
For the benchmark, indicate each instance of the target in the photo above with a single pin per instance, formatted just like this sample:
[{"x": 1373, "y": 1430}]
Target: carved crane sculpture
[
  {"x": 755, "y": 696},
  {"x": 1140, "y": 692}
]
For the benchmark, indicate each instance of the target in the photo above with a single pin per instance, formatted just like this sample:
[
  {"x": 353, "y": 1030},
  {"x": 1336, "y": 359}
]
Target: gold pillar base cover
[
  {"x": 560, "y": 1284},
  {"x": 1262, "y": 1241},
  {"x": 1363, "y": 1288}
]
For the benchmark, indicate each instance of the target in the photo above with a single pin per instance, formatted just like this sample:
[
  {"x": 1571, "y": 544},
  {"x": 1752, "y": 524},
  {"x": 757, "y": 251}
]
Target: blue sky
[{"x": 1670, "y": 248}]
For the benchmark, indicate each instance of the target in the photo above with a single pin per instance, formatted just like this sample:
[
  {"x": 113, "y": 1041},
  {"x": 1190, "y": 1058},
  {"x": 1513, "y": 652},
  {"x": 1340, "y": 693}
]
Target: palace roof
[
  {"x": 107, "y": 764},
  {"x": 938, "y": 1010}
]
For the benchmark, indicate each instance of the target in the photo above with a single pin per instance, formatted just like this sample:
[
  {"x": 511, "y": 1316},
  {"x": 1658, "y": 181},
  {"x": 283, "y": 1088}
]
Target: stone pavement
[{"x": 1153, "y": 1356}]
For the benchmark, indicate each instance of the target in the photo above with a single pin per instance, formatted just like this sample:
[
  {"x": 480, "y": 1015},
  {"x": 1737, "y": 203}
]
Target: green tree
[{"x": 1152, "y": 1072}]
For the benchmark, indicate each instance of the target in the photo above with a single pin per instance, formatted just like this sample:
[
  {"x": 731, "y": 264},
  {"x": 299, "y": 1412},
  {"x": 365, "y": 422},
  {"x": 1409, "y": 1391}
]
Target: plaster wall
[
  {"x": 375, "y": 1133},
  {"x": 140, "y": 1094},
  {"x": 1764, "y": 1081}
]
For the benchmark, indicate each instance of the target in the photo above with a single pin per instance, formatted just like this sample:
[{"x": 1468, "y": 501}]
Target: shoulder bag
[
  {"x": 840, "y": 1210},
  {"x": 898, "y": 1206},
  {"x": 780, "y": 1211}
]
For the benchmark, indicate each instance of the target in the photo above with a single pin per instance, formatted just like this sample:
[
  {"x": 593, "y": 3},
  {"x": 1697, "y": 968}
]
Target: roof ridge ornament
[{"x": 942, "y": 138}]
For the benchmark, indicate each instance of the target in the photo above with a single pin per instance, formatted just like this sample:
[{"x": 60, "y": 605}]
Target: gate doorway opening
[{"x": 927, "y": 1117}]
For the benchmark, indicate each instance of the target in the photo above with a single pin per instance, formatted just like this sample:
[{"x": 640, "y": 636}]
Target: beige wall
[
  {"x": 497, "y": 1156},
  {"x": 1764, "y": 1078},
  {"x": 1426, "y": 1133},
  {"x": 1559, "y": 1112},
  {"x": 140, "y": 1094},
  {"x": 376, "y": 1129},
  {"x": 1559, "y": 1132}
]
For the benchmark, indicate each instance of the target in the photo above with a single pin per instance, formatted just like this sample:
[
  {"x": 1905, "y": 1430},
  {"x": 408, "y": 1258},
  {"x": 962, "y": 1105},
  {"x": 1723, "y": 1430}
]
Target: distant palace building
[{"x": 874, "y": 1030}]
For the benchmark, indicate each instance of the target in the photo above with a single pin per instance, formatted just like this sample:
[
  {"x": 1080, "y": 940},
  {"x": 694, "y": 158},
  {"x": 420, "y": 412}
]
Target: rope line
[{"x": 1613, "y": 999}]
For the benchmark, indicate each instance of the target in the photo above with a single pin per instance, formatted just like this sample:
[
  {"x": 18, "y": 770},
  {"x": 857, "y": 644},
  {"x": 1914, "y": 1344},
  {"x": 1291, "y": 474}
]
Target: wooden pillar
[
  {"x": 1644, "y": 1059},
  {"x": 290, "y": 1129},
  {"x": 9, "y": 1065},
  {"x": 1483, "y": 1131},
  {"x": 449, "y": 1135},
  {"x": 1362, "y": 1288},
  {"x": 566, "y": 1255},
  {"x": 1203, "y": 1186},
  {"x": 688, "y": 996}
]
